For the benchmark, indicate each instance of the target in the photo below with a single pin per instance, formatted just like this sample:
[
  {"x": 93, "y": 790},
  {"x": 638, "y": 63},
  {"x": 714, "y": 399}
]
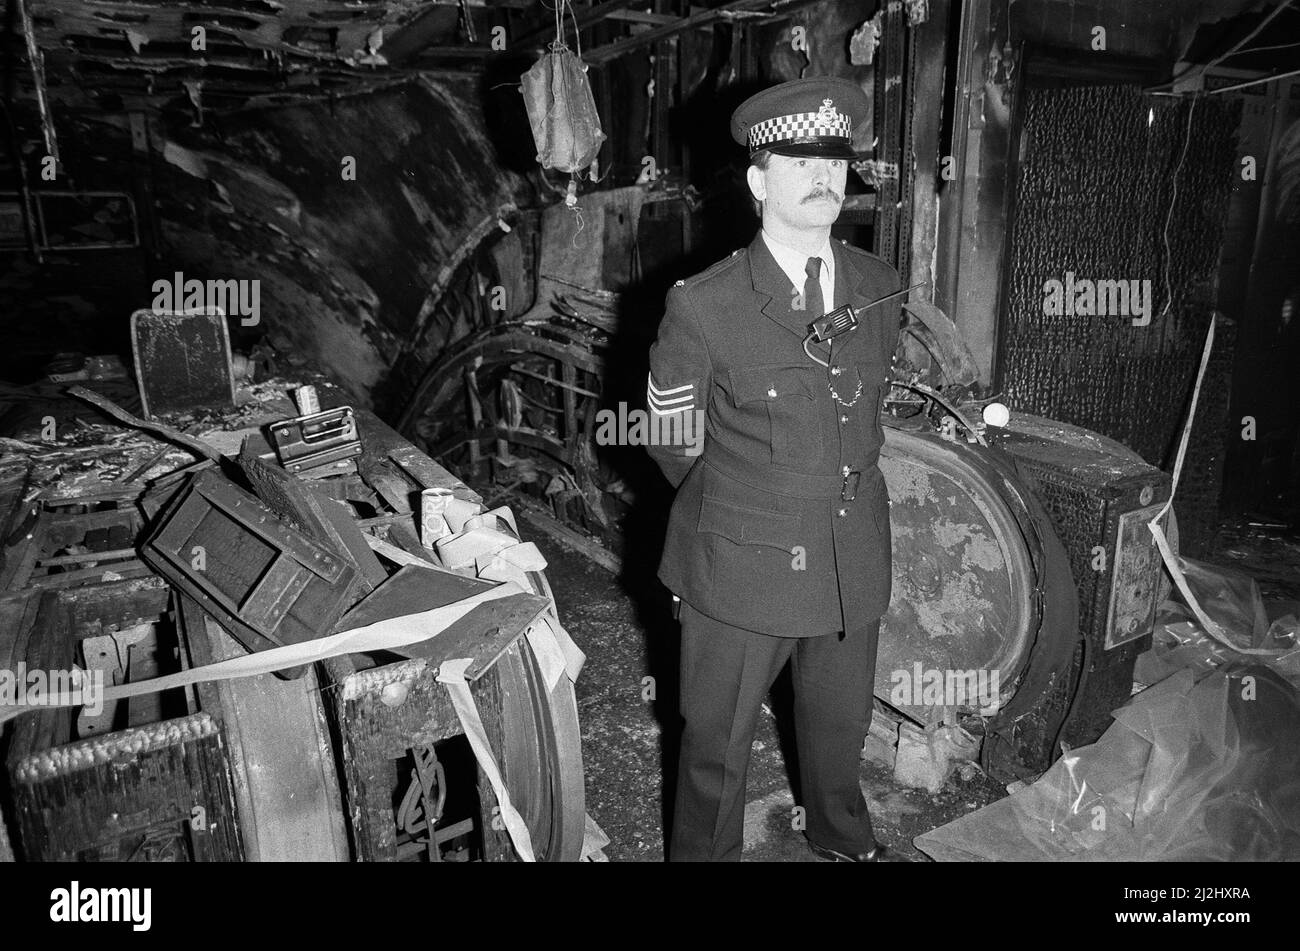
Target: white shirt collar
[{"x": 793, "y": 262}]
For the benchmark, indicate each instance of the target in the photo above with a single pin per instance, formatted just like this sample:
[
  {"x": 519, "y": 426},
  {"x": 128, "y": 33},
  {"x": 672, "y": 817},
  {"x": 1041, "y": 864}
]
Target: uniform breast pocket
[{"x": 781, "y": 403}]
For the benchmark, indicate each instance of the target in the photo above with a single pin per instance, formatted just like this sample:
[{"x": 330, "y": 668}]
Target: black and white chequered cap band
[{"x": 802, "y": 125}]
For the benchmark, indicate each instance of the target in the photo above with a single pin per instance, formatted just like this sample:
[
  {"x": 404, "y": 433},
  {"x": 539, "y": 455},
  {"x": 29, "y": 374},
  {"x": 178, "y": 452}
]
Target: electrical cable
[
  {"x": 1253, "y": 82},
  {"x": 1265, "y": 49},
  {"x": 806, "y": 341},
  {"x": 1169, "y": 216},
  {"x": 1219, "y": 59}
]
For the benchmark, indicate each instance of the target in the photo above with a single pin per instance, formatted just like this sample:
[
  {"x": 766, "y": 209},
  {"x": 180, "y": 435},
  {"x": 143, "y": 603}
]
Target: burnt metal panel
[
  {"x": 1093, "y": 489},
  {"x": 266, "y": 582},
  {"x": 182, "y": 361},
  {"x": 963, "y": 584},
  {"x": 983, "y": 594}
]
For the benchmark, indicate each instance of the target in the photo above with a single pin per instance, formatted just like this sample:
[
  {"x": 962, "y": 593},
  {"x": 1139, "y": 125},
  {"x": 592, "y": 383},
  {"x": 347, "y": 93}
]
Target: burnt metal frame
[
  {"x": 41, "y": 236},
  {"x": 892, "y": 119}
]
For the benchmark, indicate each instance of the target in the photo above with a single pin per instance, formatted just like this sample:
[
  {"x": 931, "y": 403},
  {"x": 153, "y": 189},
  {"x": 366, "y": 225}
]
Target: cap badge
[{"x": 828, "y": 113}]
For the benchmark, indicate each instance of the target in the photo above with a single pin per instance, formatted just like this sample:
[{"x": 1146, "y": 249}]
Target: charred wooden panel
[
  {"x": 160, "y": 791},
  {"x": 379, "y": 715},
  {"x": 156, "y": 793},
  {"x": 1103, "y": 168}
]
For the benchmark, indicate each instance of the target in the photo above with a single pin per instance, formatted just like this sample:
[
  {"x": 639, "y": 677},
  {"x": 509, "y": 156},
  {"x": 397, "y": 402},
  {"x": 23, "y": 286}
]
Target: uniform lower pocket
[{"x": 747, "y": 526}]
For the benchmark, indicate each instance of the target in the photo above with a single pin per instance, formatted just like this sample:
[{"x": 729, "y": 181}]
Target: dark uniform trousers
[
  {"x": 725, "y": 674},
  {"x": 779, "y": 535}
]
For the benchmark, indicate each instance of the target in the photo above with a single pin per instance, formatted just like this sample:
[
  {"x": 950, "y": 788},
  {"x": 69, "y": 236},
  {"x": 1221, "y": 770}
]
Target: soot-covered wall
[{"x": 347, "y": 212}]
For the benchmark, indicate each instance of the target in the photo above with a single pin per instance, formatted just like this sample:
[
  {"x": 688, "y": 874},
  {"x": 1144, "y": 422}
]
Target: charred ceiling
[
  {"x": 191, "y": 57},
  {"x": 138, "y": 54}
]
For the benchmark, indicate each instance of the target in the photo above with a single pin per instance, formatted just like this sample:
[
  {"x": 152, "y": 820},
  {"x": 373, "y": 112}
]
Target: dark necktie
[{"x": 812, "y": 289}]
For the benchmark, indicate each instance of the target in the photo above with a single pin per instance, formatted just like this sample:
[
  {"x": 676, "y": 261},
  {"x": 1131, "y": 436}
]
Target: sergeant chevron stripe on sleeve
[{"x": 664, "y": 401}]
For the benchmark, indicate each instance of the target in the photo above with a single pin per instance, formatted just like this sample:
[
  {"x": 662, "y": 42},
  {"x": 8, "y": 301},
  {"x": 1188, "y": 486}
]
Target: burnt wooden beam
[
  {"x": 611, "y": 51},
  {"x": 593, "y": 16},
  {"x": 256, "y": 26},
  {"x": 654, "y": 19},
  {"x": 461, "y": 53},
  {"x": 142, "y": 65},
  {"x": 533, "y": 40},
  {"x": 36, "y": 63},
  {"x": 422, "y": 33}
]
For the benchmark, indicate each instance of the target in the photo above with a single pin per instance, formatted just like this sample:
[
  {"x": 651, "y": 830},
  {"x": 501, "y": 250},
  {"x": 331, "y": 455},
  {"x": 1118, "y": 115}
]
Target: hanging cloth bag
[{"x": 561, "y": 109}]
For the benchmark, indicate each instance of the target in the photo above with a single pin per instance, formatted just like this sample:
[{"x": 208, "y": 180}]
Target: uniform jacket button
[
  {"x": 836, "y": 371},
  {"x": 844, "y": 418},
  {"x": 845, "y": 470},
  {"x": 843, "y": 513},
  {"x": 771, "y": 392}
]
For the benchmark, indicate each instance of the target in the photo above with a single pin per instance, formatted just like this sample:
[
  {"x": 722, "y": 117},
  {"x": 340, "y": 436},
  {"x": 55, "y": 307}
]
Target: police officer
[{"x": 778, "y": 543}]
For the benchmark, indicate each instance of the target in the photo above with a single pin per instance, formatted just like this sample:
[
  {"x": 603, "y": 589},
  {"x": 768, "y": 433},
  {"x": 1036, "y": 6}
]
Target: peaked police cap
[{"x": 804, "y": 117}]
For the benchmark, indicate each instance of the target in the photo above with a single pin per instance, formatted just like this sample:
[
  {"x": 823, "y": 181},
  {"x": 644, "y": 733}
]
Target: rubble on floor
[{"x": 1198, "y": 766}]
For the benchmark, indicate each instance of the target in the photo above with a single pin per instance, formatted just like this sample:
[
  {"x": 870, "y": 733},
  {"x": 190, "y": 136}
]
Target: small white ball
[
  {"x": 997, "y": 414},
  {"x": 394, "y": 694}
]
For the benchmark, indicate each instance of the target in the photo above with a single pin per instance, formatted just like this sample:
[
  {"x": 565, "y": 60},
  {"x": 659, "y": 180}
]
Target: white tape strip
[
  {"x": 489, "y": 520},
  {"x": 511, "y": 564},
  {"x": 458, "y": 512},
  {"x": 382, "y": 635},
  {"x": 574, "y": 658},
  {"x": 550, "y": 659},
  {"x": 452, "y": 673},
  {"x": 465, "y": 548},
  {"x": 1162, "y": 543}
]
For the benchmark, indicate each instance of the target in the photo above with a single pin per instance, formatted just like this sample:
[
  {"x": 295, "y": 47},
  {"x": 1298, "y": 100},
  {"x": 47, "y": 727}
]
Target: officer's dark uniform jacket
[{"x": 769, "y": 495}]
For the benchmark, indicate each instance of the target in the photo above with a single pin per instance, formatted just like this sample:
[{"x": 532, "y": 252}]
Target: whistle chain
[{"x": 857, "y": 394}]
